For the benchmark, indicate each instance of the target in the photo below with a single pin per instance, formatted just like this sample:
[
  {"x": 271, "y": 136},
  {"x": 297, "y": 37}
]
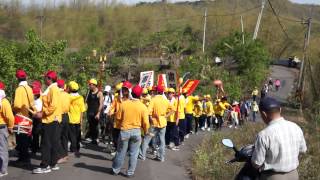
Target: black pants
[
  {"x": 220, "y": 121},
  {"x": 182, "y": 129},
  {"x": 115, "y": 136},
  {"x": 189, "y": 119},
  {"x": 172, "y": 134},
  {"x": 49, "y": 144},
  {"x": 36, "y": 132},
  {"x": 74, "y": 134},
  {"x": 93, "y": 128},
  {"x": 23, "y": 144},
  {"x": 63, "y": 144},
  {"x": 202, "y": 122},
  {"x": 209, "y": 119},
  {"x": 196, "y": 124},
  {"x": 106, "y": 126}
]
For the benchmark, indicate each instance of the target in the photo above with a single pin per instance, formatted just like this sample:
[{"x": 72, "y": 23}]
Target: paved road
[{"x": 94, "y": 163}]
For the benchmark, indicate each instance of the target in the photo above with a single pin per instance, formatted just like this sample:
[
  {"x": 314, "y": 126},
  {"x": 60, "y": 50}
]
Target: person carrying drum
[
  {"x": 23, "y": 106},
  {"x": 6, "y": 126}
]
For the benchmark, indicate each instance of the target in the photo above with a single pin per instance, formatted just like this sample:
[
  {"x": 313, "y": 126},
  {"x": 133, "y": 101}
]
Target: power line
[{"x": 278, "y": 20}]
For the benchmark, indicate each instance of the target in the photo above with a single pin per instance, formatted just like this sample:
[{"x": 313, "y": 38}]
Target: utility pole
[
  {"x": 305, "y": 47},
  {"x": 204, "y": 30},
  {"x": 242, "y": 29},
  {"x": 255, "y": 34}
]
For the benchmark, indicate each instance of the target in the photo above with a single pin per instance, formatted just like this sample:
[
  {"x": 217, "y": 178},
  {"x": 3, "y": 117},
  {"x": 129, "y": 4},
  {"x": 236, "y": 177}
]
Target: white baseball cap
[{"x": 107, "y": 88}]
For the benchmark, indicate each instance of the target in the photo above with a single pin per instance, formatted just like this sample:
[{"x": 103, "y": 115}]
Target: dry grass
[{"x": 209, "y": 159}]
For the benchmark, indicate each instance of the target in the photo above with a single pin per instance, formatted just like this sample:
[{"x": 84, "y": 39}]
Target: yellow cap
[
  {"x": 73, "y": 86},
  {"x": 149, "y": 88},
  {"x": 145, "y": 91},
  {"x": 93, "y": 81},
  {"x": 118, "y": 86},
  {"x": 196, "y": 98},
  {"x": 171, "y": 90},
  {"x": 166, "y": 90},
  {"x": 208, "y": 96}
]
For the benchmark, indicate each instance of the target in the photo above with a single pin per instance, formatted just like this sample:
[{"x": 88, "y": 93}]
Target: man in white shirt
[
  {"x": 277, "y": 147},
  {"x": 105, "y": 122}
]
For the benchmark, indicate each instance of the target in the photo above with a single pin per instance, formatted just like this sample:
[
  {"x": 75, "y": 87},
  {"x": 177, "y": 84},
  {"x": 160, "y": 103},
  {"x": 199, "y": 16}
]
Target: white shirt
[
  {"x": 277, "y": 147},
  {"x": 107, "y": 103},
  {"x": 38, "y": 104}
]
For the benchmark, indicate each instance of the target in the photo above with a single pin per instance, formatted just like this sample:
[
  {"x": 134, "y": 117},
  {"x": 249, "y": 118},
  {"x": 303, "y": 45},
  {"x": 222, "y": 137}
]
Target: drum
[{"x": 22, "y": 124}]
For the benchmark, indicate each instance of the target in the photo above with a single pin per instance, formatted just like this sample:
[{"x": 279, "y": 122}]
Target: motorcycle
[{"x": 247, "y": 172}]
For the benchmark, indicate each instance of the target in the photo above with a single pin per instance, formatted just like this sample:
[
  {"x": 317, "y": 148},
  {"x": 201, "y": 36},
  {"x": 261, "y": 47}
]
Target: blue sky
[{"x": 135, "y": 1}]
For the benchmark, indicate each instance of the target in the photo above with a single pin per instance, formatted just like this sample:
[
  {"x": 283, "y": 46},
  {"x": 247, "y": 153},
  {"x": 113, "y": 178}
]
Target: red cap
[
  {"x": 2, "y": 86},
  {"x": 36, "y": 84},
  {"x": 137, "y": 90},
  {"x": 20, "y": 74},
  {"x": 52, "y": 75},
  {"x": 36, "y": 90},
  {"x": 160, "y": 89},
  {"x": 127, "y": 84},
  {"x": 60, "y": 83}
]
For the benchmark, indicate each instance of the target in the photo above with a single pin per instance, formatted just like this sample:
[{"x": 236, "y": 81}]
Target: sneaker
[
  {"x": 55, "y": 168},
  {"x": 141, "y": 157},
  {"x": 3, "y": 174},
  {"x": 176, "y": 148},
  {"x": 42, "y": 170},
  {"x": 203, "y": 129},
  {"x": 88, "y": 139},
  {"x": 113, "y": 153},
  {"x": 208, "y": 129},
  {"x": 187, "y": 136},
  {"x": 230, "y": 126},
  {"x": 81, "y": 145},
  {"x": 158, "y": 159},
  {"x": 191, "y": 132},
  {"x": 171, "y": 145}
]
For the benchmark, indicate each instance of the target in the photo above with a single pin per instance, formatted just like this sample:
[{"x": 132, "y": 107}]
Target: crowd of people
[{"x": 130, "y": 118}]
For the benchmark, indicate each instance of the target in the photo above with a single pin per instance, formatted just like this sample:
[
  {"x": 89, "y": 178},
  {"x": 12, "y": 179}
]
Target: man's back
[{"x": 278, "y": 146}]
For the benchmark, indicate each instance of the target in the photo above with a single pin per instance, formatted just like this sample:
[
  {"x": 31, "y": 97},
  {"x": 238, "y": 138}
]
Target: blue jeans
[
  {"x": 161, "y": 132},
  {"x": 129, "y": 139}
]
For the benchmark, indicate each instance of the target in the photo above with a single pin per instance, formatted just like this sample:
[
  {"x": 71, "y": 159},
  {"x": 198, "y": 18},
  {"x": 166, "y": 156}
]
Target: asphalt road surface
[{"x": 94, "y": 163}]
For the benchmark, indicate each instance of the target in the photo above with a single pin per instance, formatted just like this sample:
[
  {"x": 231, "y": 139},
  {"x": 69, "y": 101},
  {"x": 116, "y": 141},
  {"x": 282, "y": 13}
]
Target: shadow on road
[
  {"x": 94, "y": 156},
  {"x": 93, "y": 167}
]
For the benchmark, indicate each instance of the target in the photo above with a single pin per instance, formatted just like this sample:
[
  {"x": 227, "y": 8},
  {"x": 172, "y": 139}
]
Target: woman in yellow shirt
[{"x": 197, "y": 112}]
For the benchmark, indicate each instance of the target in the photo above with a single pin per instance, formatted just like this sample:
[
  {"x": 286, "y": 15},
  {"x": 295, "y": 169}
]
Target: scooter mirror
[{"x": 228, "y": 143}]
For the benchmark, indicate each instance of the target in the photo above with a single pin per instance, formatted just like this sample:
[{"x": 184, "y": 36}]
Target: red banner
[{"x": 190, "y": 86}]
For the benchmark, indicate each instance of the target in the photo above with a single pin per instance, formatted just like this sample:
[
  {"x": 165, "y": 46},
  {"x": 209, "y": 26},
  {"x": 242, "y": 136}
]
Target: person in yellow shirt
[
  {"x": 133, "y": 115},
  {"x": 6, "y": 126},
  {"x": 158, "y": 109},
  {"x": 197, "y": 112},
  {"x": 172, "y": 133},
  {"x": 77, "y": 108},
  {"x": 145, "y": 98},
  {"x": 180, "y": 116},
  {"x": 190, "y": 102},
  {"x": 23, "y": 103},
  {"x": 209, "y": 111},
  {"x": 64, "y": 139},
  {"x": 219, "y": 109},
  {"x": 255, "y": 93},
  {"x": 50, "y": 125},
  {"x": 122, "y": 95}
]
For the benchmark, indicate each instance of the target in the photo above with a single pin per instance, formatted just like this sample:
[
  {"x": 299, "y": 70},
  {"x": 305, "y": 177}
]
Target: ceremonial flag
[
  {"x": 190, "y": 86},
  {"x": 162, "y": 80}
]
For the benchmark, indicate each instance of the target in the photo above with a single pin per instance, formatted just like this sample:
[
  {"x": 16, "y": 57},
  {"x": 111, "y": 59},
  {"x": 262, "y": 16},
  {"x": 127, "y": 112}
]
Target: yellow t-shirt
[
  {"x": 172, "y": 109},
  {"x": 65, "y": 102},
  {"x": 209, "y": 109},
  {"x": 190, "y": 101},
  {"x": 133, "y": 114},
  {"x": 77, "y": 107},
  {"x": 51, "y": 104},
  {"x": 197, "y": 111},
  {"x": 182, "y": 105},
  {"x": 21, "y": 102},
  {"x": 6, "y": 115},
  {"x": 158, "y": 109}
]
